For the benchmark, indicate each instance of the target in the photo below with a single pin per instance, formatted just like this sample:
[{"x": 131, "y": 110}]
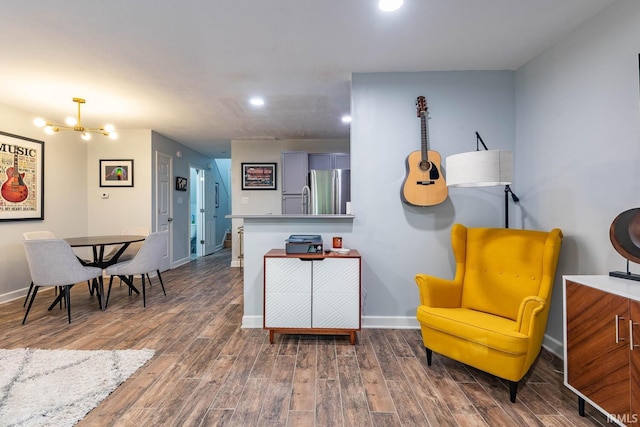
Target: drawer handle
[
  {"x": 631, "y": 345},
  {"x": 618, "y": 338}
]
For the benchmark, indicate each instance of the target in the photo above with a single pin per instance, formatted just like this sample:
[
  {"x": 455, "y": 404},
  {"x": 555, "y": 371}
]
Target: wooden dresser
[
  {"x": 312, "y": 293},
  {"x": 602, "y": 345}
]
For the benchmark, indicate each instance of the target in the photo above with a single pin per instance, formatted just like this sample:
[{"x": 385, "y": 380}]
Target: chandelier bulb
[
  {"x": 109, "y": 128},
  {"x": 71, "y": 121},
  {"x": 86, "y": 136},
  {"x": 40, "y": 122},
  {"x": 49, "y": 130},
  {"x": 113, "y": 135}
]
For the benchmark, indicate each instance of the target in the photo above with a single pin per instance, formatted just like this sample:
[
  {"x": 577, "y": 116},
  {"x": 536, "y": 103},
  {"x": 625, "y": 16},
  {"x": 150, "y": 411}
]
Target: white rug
[{"x": 59, "y": 387}]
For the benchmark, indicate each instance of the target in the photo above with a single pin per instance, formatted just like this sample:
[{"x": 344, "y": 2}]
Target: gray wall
[
  {"x": 571, "y": 116},
  {"x": 578, "y": 141},
  {"x": 397, "y": 240}
]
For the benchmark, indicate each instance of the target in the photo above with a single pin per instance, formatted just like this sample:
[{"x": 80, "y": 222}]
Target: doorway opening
[{"x": 196, "y": 212}]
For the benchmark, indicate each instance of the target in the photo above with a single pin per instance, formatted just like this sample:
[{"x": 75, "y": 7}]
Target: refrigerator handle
[{"x": 306, "y": 196}]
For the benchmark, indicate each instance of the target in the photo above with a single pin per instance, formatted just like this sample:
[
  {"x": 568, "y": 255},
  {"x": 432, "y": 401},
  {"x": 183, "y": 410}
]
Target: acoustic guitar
[
  {"x": 14, "y": 189},
  {"x": 424, "y": 184}
]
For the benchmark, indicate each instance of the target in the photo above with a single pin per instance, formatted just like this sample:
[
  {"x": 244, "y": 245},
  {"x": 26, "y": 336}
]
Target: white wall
[
  {"x": 397, "y": 240},
  {"x": 65, "y": 198},
  {"x": 578, "y": 141},
  {"x": 126, "y": 206}
]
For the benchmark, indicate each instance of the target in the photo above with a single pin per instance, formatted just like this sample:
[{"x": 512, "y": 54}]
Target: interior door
[
  {"x": 209, "y": 212},
  {"x": 164, "y": 211}
]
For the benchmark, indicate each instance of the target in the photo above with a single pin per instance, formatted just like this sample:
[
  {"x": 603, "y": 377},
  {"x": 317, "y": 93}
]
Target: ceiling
[{"x": 186, "y": 69}]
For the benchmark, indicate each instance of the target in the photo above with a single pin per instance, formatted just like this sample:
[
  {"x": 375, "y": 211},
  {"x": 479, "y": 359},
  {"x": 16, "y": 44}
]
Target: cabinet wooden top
[{"x": 281, "y": 253}]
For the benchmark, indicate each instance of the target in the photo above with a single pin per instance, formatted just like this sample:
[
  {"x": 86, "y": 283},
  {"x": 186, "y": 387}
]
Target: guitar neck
[
  {"x": 16, "y": 172},
  {"x": 425, "y": 136}
]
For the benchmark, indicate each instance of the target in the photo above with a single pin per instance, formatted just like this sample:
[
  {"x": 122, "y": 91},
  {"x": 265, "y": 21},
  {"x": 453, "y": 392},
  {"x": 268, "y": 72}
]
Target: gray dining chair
[
  {"x": 52, "y": 262},
  {"x": 147, "y": 260},
  {"x": 133, "y": 248},
  {"x": 36, "y": 235}
]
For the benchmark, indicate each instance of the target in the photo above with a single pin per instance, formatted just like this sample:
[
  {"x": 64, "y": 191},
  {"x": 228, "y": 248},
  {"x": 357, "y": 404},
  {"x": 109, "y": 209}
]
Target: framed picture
[
  {"x": 181, "y": 183},
  {"x": 116, "y": 173},
  {"x": 259, "y": 176},
  {"x": 217, "y": 196},
  {"x": 22, "y": 189}
]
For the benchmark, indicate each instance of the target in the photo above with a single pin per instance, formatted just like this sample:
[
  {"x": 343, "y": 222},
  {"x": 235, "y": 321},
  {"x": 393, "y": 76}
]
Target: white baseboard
[
  {"x": 235, "y": 264},
  {"x": 554, "y": 346},
  {"x": 10, "y": 296},
  {"x": 390, "y": 322},
  {"x": 180, "y": 262},
  {"x": 251, "y": 322}
]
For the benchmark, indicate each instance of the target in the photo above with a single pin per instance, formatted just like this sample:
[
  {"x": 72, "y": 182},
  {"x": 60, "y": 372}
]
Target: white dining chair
[
  {"x": 36, "y": 235},
  {"x": 52, "y": 262},
  {"x": 147, "y": 260}
]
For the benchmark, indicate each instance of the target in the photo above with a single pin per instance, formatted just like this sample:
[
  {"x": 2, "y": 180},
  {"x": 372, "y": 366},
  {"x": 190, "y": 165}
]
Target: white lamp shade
[{"x": 479, "y": 169}]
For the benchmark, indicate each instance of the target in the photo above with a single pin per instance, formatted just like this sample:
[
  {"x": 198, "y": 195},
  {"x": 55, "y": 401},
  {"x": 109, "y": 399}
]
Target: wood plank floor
[{"x": 207, "y": 371}]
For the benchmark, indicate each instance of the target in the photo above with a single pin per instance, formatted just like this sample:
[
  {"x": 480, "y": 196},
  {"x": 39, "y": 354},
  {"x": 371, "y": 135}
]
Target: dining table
[{"x": 98, "y": 245}]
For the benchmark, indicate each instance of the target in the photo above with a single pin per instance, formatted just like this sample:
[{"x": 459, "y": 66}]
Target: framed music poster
[{"x": 22, "y": 190}]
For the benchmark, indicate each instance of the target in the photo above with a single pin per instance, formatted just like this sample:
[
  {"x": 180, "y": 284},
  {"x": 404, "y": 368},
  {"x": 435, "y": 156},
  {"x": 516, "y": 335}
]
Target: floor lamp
[{"x": 486, "y": 168}]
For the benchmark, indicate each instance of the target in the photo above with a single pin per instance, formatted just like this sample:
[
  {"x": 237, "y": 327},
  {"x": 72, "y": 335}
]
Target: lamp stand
[{"x": 507, "y": 191}]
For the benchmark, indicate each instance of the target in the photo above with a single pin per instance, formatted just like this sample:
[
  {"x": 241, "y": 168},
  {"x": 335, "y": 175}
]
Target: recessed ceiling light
[
  {"x": 346, "y": 119},
  {"x": 257, "y": 101},
  {"x": 390, "y": 5}
]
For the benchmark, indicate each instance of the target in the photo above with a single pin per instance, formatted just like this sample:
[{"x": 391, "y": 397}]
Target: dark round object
[{"x": 625, "y": 234}]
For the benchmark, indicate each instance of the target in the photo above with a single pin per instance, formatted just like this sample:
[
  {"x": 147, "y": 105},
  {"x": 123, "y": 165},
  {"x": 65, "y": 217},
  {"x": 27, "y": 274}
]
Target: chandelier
[{"x": 73, "y": 123}]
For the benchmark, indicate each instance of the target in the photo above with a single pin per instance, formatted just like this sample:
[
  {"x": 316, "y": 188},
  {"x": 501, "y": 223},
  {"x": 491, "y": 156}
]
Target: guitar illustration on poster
[
  {"x": 424, "y": 184},
  {"x": 14, "y": 189}
]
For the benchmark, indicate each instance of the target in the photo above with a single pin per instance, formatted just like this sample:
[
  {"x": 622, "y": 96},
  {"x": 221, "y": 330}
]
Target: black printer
[{"x": 304, "y": 244}]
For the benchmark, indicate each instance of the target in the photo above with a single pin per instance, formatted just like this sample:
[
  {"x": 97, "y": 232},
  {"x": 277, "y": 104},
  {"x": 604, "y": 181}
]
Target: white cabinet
[{"x": 314, "y": 294}]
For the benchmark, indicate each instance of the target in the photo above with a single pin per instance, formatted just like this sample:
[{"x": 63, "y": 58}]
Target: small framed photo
[
  {"x": 259, "y": 176},
  {"x": 181, "y": 183},
  {"x": 217, "y": 196},
  {"x": 116, "y": 173}
]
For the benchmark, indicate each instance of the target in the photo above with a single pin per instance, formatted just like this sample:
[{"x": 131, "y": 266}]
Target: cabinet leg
[
  {"x": 352, "y": 338},
  {"x": 271, "y": 333},
  {"x": 581, "y": 406}
]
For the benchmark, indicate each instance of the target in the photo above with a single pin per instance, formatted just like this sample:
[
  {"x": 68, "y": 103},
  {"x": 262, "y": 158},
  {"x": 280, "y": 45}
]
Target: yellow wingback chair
[{"x": 493, "y": 314}]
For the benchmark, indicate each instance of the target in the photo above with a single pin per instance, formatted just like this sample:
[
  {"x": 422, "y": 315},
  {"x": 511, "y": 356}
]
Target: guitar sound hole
[{"x": 425, "y": 165}]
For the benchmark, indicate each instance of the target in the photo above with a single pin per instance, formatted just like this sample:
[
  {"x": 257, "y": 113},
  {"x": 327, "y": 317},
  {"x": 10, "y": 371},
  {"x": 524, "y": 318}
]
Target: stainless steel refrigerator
[{"x": 329, "y": 191}]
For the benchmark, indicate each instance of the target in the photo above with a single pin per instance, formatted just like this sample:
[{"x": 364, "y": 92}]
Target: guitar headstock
[{"x": 421, "y": 104}]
